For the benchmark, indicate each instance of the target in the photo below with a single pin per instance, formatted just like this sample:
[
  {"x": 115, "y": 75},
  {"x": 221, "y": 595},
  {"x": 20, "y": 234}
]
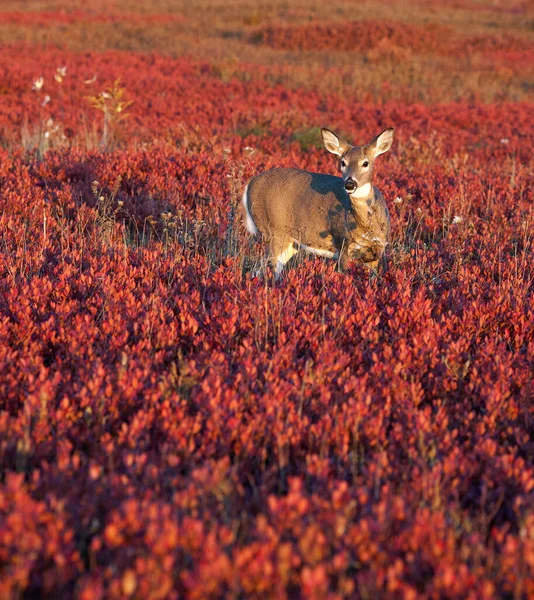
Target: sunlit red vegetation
[
  {"x": 518, "y": 7},
  {"x": 401, "y": 40},
  {"x": 44, "y": 18},
  {"x": 171, "y": 426},
  {"x": 359, "y": 35}
]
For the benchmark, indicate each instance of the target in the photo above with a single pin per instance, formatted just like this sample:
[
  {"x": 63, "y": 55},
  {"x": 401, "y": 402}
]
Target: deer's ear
[
  {"x": 333, "y": 143},
  {"x": 382, "y": 142}
]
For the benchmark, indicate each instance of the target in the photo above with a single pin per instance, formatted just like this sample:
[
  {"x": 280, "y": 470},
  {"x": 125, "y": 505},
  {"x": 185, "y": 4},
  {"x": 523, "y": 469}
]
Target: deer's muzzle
[{"x": 350, "y": 184}]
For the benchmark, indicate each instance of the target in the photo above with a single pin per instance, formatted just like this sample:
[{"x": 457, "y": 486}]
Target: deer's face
[
  {"x": 357, "y": 162},
  {"x": 356, "y": 166}
]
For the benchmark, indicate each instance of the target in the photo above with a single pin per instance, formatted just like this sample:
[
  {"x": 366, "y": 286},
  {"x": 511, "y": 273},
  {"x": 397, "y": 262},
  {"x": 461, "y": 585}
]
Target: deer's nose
[{"x": 350, "y": 184}]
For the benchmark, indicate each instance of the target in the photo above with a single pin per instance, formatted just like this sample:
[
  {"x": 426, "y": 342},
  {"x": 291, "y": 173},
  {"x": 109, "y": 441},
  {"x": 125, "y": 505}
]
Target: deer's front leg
[
  {"x": 378, "y": 260},
  {"x": 343, "y": 261},
  {"x": 373, "y": 265}
]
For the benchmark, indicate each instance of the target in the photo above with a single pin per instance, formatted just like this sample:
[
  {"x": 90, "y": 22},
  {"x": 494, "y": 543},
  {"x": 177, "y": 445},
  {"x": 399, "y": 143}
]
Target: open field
[{"x": 170, "y": 425}]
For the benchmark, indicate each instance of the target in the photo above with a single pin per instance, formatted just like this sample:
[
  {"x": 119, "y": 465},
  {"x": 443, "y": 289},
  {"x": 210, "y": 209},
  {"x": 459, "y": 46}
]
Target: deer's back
[{"x": 311, "y": 208}]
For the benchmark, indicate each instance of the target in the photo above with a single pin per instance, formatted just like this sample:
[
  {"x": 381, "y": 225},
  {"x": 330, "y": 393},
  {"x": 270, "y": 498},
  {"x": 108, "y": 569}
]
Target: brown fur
[{"x": 292, "y": 207}]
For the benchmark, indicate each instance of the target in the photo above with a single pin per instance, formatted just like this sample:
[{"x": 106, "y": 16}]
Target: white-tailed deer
[{"x": 345, "y": 218}]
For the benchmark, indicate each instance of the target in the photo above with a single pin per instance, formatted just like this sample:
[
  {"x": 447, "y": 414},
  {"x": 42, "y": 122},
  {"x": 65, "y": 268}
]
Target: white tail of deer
[{"x": 344, "y": 218}]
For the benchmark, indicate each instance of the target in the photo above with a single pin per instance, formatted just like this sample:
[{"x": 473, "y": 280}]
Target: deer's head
[{"x": 357, "y": 162}]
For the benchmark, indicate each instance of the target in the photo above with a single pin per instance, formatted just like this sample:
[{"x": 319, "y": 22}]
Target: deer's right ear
[{"x": 333, "y": 143}]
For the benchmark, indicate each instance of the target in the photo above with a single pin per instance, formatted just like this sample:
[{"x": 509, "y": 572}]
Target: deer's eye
[
  {"x": 365, "y": 163},
  {"x": 343, "y": 164}
]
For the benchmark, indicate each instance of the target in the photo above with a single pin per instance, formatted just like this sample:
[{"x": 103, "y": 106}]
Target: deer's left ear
[{"x": 382, "y": 142}]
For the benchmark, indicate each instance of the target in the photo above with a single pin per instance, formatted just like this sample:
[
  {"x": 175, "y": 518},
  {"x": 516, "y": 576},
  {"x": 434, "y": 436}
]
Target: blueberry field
[{"x": 174, "y": 426}]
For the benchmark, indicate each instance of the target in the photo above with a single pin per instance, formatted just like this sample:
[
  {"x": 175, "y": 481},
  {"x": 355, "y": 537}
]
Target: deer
[{"x": 345, "y": 218}]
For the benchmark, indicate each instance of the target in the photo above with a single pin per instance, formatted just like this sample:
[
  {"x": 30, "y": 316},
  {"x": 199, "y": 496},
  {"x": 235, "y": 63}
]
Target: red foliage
[
  {"x": 356, "y": 35},
  {"x": 69, "y": 17},
  {"x": 380, "y": 38},
  {"x": 172, "y": 427}
]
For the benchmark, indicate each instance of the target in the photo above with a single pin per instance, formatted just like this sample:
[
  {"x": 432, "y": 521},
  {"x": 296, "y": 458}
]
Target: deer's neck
[{"x": 363, "y": 205}]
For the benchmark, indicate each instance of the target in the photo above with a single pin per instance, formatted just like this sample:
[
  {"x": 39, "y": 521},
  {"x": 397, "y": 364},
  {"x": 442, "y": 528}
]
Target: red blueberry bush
[
  {"x": 172, "y": 426},
  {"x": 379, "y": 38}
]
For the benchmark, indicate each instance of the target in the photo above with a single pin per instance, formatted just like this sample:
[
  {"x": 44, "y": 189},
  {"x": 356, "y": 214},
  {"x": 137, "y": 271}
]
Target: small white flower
[
  {"x": 228, "y": 175},
  {"x": 46, "y": 100},
  {"x": 62, "y": 71},
  {"x": 398, "y": 200},
  {"x": 457, "y": 219},
  {"x": 249, "y": 149},
  {"x": 38, "y": 84},
  {"x": 227, "y": 150},
  {"x": 419, "y": 211},
  {"x": 47, "y": 134},
  {"x": 504, "y": 141}
]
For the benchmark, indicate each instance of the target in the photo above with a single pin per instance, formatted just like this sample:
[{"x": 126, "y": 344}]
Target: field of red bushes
[{"x": 172, "y": 426}]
